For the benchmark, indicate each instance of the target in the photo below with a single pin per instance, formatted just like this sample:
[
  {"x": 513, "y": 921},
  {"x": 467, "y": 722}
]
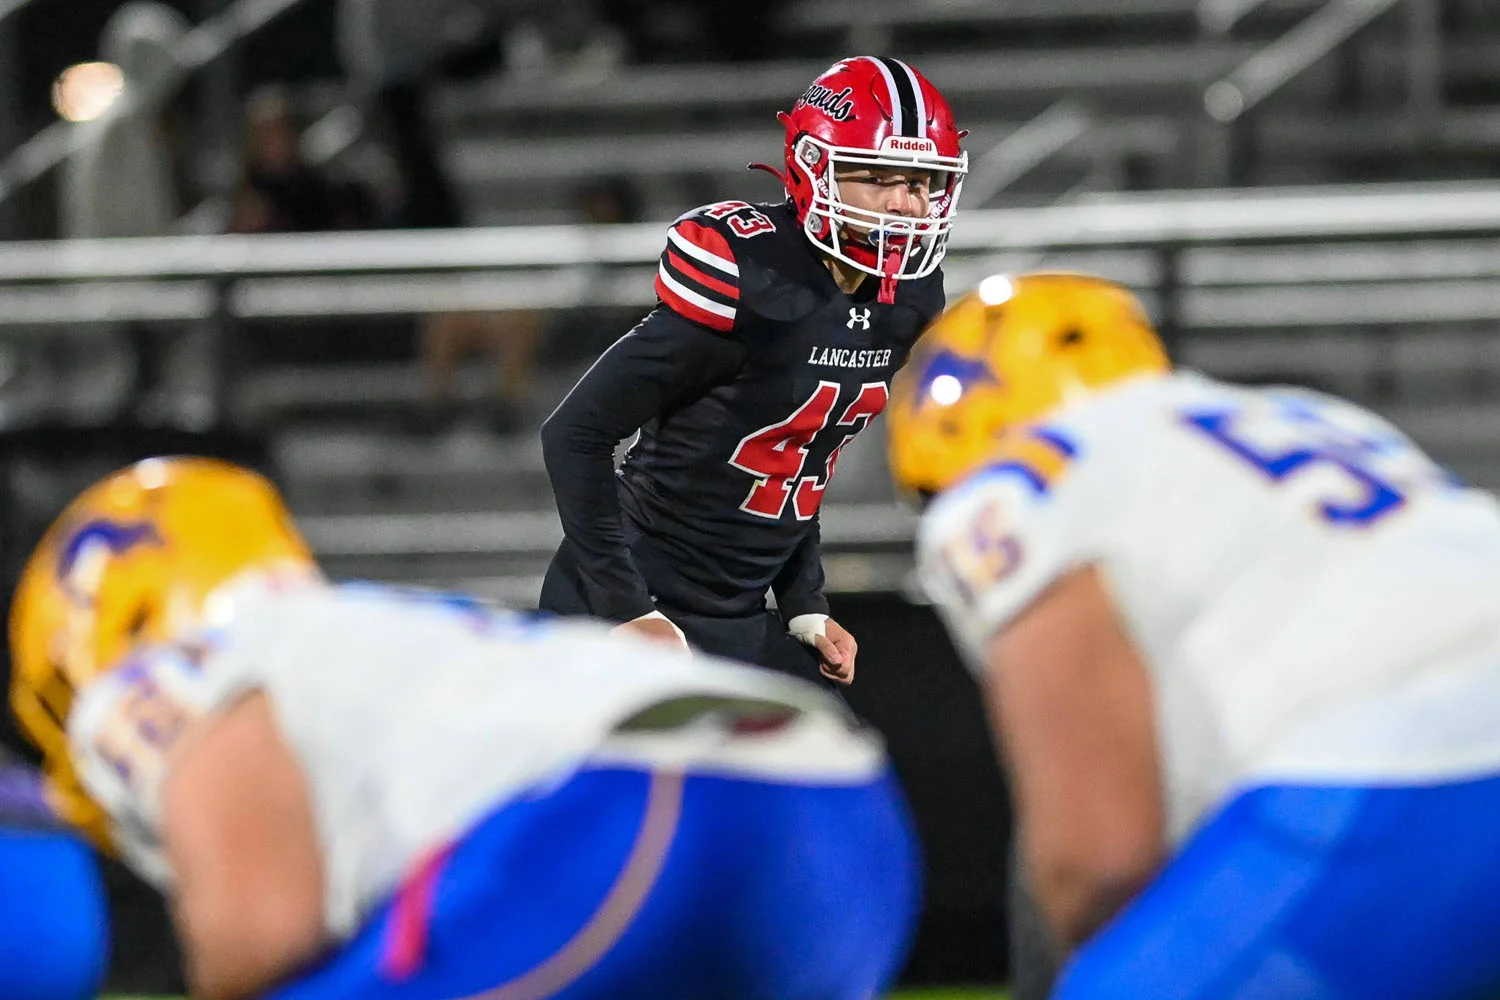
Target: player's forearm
[
  {"x": 239, "y": 831},
  {"x": 1079, "y": 899},
  {"x": 802, "y": 593},
  {"x": 796, "y": 605},
  {"x": 1085, "y": 869},
  {"x": 588, "y": 505},
  {"x": 664, "y": 363},
  {"x": 799, "y": 585}
]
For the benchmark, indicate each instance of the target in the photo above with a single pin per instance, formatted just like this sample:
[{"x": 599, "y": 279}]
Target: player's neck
[{"x": 846, "y": 276}]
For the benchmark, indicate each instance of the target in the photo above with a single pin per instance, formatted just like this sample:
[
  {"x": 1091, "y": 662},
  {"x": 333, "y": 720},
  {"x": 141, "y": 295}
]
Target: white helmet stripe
[
  {"x": 892, "y": 96},
  {"x": 916, "y": 89}
]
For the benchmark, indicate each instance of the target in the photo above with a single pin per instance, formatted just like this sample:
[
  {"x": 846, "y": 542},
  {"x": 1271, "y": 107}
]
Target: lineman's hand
[
  {"x": 836, "y": 647},
  {"x": 654, "y": 627}
]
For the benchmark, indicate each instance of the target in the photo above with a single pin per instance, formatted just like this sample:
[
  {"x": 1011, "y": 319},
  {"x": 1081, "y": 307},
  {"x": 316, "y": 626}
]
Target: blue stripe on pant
[
  {"x": 1317, "y": 893},
  {"x": 768, "y": 891}
]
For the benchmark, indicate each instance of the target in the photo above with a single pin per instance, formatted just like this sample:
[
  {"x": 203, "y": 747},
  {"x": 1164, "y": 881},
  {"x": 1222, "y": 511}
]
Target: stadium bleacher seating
[{"x": 1067, "y": 103}]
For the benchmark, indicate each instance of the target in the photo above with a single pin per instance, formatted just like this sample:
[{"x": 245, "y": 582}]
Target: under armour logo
[{"x": 862, "y": 318}]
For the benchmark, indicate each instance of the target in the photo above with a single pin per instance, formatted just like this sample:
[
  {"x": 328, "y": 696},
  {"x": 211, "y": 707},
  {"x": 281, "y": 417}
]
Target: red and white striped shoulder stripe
[{"x": 698, "y": 277}]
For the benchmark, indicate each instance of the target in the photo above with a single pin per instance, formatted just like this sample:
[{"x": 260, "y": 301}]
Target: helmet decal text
[{"x": 835, "y": 105}]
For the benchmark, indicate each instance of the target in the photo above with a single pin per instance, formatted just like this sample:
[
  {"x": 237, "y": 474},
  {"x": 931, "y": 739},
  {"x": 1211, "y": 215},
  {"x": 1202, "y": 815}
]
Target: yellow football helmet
[
  {"x": 131, "y": 560},
  {"x": 1005, "y": 354}
]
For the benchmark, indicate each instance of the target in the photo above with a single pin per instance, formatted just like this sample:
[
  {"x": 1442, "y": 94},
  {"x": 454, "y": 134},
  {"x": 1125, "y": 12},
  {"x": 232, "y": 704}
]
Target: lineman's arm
[
  {"x": 1070, "y": 699},
  {"x": 238, "y": 832},
  {"x": 205, "y": 800},
  {"x": 1014, "y": 561},
  {"x": 663, "y": 363}
]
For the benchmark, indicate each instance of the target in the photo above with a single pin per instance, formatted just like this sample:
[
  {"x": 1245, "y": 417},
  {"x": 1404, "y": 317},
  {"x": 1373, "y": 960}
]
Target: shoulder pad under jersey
[
  {"x": 699, "y": 276},
  {"x": 734, "y": 257}
]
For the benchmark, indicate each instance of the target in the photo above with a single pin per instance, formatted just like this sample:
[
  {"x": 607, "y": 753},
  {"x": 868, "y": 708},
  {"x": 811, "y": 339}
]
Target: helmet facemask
[{"x": 879, "y": 243}]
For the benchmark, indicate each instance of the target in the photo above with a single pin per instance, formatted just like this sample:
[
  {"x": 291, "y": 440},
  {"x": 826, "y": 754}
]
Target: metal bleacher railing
[
  {"x": 352, "y": 274},
  {"x": 1298, "y": 260},
  {"x": 1336, "y": 22}
]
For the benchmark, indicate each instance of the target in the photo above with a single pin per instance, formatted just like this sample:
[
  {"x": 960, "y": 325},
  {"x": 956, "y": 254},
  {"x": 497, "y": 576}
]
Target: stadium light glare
[
  {"x": 996, "y": 290},
  {"x": 84, "y": 92},
  {"x": 946, "y": 390}
]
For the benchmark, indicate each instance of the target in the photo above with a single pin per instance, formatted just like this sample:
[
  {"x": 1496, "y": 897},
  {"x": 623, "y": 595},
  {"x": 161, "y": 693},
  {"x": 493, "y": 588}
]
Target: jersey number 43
[{"x": 775, "y": 454}]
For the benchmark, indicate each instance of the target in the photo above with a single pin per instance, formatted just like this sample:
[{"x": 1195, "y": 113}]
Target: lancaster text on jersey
[{"x": 848, "y": 357}]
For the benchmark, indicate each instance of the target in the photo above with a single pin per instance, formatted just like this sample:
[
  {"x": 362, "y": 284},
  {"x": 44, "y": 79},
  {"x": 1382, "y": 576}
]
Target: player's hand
[
  {"x": 834, "y": 645},
  {"x": 836, "y": 649},
  {"x": 654, "y": 627}
]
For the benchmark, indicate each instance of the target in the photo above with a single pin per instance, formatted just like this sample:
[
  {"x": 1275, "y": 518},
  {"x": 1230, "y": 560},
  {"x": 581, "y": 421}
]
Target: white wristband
[{"x": 808, "y": 628}]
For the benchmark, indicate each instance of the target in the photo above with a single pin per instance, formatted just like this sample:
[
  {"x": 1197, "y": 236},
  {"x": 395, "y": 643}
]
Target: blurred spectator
[
  {"x": 280, "y": 192},
  {"x": 507, "y": 339},
  {"x": 585, "y": 332},
  {"x": 119, "y": 180},
  {"x": 510, "y": 339},
  {"x": 427, "y": 197},
  {"x": 390, "y": 49}
]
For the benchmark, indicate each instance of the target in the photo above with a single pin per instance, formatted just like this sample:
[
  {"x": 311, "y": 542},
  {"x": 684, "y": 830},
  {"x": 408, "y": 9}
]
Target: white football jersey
[
  {"x": 414, "y": 715},
  {"x": 1316, "y": 599}
]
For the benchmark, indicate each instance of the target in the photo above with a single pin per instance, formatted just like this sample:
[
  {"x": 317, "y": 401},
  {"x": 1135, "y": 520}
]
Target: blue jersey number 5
[{"x": 1377, "y": 461}]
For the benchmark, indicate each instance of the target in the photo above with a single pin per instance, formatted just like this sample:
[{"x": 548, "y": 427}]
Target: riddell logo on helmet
[
  {"x": 837, "y": 106},
  {"x": 905, "y": 144}
]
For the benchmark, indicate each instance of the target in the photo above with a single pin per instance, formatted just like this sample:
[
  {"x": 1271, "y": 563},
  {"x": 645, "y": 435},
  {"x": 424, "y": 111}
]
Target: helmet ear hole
[
  {"x": 1071, "y": 338},
  {"x": 55, "y": 695},
  {"x": 137, "y": 622}
]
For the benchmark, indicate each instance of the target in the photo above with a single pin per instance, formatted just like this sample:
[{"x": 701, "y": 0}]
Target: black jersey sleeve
[
  {"x": 665, "y": 362},
  {"x": 799, "y": 585}
]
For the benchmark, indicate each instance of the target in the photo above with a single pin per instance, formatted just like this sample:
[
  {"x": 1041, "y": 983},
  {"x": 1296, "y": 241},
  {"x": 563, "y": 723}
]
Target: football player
[
  {"x": 357, "y": 793},
  {"x": 777, "y": 332},
  {"x": 1241, "y": 648}
]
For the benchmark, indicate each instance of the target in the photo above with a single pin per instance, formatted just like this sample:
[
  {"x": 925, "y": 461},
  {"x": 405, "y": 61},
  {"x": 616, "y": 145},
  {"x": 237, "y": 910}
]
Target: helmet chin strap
[{"x": 889, "y": 269}]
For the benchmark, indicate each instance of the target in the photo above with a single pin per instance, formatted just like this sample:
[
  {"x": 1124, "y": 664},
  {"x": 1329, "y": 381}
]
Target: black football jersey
[{"x": 748, "y": 379}]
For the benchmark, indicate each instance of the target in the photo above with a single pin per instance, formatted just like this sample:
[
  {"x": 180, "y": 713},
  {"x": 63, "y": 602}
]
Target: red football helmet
[{"x": 863, "y": 112}]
